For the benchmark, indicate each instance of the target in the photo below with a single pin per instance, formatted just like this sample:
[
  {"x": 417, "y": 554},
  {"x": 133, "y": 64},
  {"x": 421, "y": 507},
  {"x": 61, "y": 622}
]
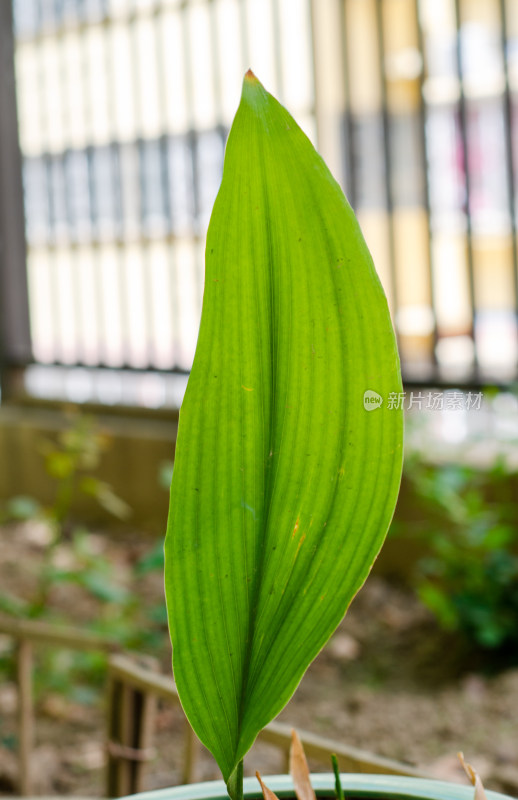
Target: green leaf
[
  {"x": 165, "y": 473},
  {"x": 283, "y": 485},
  {"x": 440, "y": 603},
  {"x": 150, "y": 561},
  {"x": 339, "y": 792},
  {"x": 22, "y": 508},
  {"x": 105, "y": 496}
]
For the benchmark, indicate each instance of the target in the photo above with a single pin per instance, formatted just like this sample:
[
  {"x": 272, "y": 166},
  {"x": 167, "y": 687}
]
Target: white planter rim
[{"x": 391, "y": 787}]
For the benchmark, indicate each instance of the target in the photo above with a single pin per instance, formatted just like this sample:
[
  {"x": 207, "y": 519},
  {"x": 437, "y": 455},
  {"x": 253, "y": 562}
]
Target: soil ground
[{"x": 388, "y": 681}]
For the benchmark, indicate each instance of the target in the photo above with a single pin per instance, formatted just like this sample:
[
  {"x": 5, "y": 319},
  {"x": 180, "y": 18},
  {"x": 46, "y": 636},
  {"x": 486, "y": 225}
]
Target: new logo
[{"x": 372, "y": 400}]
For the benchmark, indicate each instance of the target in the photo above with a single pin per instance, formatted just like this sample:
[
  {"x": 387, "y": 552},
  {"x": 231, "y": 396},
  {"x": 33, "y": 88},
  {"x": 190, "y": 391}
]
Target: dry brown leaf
[
  {"x": 267, "y": 793},
  {"x": 474, "y": 777},
  {"x": 299, "y": 770}
]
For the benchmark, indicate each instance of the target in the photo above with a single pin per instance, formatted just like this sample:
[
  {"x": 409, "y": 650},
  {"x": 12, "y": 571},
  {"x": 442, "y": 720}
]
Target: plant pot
[{"x": 382, "y": 787}]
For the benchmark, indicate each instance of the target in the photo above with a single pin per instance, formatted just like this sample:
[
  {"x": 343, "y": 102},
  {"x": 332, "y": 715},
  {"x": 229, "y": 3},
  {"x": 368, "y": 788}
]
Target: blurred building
[{"x": 124, "y": 107}]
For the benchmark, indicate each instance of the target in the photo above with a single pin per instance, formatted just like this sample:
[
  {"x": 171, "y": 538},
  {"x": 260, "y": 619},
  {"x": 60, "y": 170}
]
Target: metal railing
[{"x": 124, "y": 108}]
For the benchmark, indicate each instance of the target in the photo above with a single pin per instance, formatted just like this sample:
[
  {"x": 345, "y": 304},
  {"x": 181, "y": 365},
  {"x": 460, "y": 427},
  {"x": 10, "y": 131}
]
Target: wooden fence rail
[
  {"x": 133, "y": 687},
  {"x": 124, "y": 672},
  {"x": 26, "y": 633}
]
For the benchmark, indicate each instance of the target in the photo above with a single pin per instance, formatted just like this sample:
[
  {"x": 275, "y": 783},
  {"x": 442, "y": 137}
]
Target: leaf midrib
[
  {"x": 259, "y": 558},
  {"x": 273, "y": 439},
  {"x": 330, "y": 254}
]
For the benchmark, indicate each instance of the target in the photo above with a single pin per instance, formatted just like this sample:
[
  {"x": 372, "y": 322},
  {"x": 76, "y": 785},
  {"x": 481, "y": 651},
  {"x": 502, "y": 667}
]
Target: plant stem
[
  {"x": 235, "y": 783},
  {"x": 338, "y": 784}
]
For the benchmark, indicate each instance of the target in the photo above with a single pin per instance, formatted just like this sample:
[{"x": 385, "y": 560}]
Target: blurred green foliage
[
  {"x": 71, "y": 556},
  {"x": 71, "y": 462},
  {"x": 468, "y": 575}
]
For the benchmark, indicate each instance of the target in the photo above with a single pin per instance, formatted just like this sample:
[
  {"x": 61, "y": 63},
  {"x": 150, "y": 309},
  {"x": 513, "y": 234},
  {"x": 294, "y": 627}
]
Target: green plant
[
  {"x": 468, "y": 576},
  {"x": 339, "y": 792},
  {"x": 71, "y": 462},
  {"x": 284, "y": 484},
  {"x": 71, "y": 557}
]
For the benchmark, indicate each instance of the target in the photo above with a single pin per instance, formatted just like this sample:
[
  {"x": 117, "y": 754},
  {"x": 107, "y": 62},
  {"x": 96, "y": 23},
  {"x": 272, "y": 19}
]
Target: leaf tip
[
  {"x": 253, "y": 90},
  {"x": 299, "y": 769},
  {"x": 474, "y": 777},
  {"x": 267, "y": 793}
]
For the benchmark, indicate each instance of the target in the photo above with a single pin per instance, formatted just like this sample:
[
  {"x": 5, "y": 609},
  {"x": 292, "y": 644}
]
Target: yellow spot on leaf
[
  {"x": 246, "y": 388},
  {"x": 300, "y": 543}
]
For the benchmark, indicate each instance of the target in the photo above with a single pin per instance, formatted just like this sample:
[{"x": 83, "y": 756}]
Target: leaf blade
[{"x": 281, "y": 478}]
